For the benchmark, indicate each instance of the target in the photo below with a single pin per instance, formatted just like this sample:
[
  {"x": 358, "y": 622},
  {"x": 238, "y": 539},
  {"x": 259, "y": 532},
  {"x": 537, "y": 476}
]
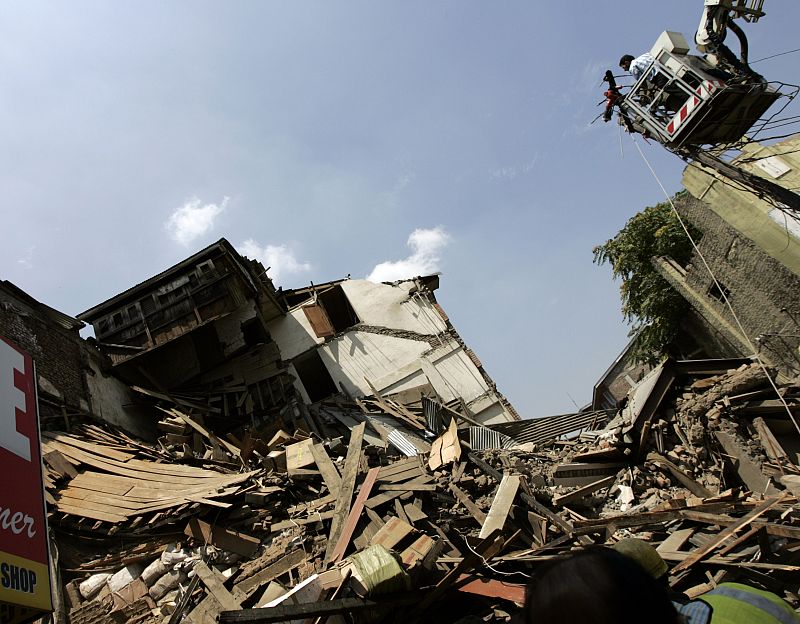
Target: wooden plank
[
  {"x": 446, "y": 448},
  {"x": 217, "y": 589},
  {"x": 91, "y": 513},
  {"x": 310, "y": 505},
  {"x": 392, "y": 533},
  {"x": 156, "y": 490},
  {"x": 288, "y": 524},
  {"x": 471, "y": 506},
  {"x": 407, "y": 487},
  {"x": 231, "y": 448},
  {"x": 491, "y": 588},
  {"x": 84, "y": 445},
  {"x": 411, "y": 472},
  {"x": 374, "y": 517},
  {"x": 675, "y": 540},
  {"x": 398, "y": 412},
  {"x": 299, "y": 455},
  {"x": 417, "y": 551},
  {"x": 768, "y": 566},
  {"x": 304, "y": 611},
  {"x": 385, "y": 497},
  {"x": 399, "y": 466},
  {"x": 564, "y": 525},
  {"x": 726, "y": 534},
  {"x": 747, "y": 469},
  {"x": 271, "y": 572},
  {"x": 581, "y": 493},
  {"x": 769, "y": 442},
  {"x": 140, "y": 469},
  {"x": 501, "y": 505},
  {"x": 401, "y": 513},
  {"x": 487, "y": 548},
  {"x": 60, "y": 464},
  {"x": 63, "y": 498},
  {"x": 327, "y": 469},
  {"x": 349, "y": 474},
  {"x": 353, "y": 516},
  {"x": 690, "y": 484},
  {"x": 222, "y": 537},
  {"x": 414, "y": 513}
]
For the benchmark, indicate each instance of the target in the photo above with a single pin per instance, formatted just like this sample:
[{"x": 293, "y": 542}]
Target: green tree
[{"x": 650, "y": 305}]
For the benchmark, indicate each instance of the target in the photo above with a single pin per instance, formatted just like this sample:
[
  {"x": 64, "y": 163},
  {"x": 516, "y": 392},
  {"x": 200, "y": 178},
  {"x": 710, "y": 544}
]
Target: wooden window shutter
[{"x": 319, "y": 320}]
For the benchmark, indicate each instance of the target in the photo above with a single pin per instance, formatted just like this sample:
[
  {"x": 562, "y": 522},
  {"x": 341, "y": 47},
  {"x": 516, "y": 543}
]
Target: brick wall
[{"x": 55, "y": 350}]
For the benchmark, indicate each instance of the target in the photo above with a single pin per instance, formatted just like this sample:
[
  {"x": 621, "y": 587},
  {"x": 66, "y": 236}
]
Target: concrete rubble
[
  {"x": 227, "y": 451},
  {"x": 341, "y": 525}
]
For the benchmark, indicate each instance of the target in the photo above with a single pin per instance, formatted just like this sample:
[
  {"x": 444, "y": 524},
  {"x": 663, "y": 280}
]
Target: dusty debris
[
  {"x": 344, "y": 525},
  {"x": 292, "y": 490}
]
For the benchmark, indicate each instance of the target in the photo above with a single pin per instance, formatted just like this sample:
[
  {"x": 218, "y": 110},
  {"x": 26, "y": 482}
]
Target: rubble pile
[{"x": 379, "y": 510}]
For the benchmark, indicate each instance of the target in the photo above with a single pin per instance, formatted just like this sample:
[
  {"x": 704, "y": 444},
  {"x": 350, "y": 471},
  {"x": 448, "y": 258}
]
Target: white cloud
[
  {"x": 193, "y": 220},
  {"x": 425, "y": 246},
  {"x": 279, "y": 259}
]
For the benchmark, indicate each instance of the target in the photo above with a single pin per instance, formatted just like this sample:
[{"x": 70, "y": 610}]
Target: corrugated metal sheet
[
  {"x": 433, "y": 416},
  {"x": 399, "y": 441},
  {"x": 400, "y": 437},
  {"x": 483, "y": 439},
  {"x": 542, "y": 429}
]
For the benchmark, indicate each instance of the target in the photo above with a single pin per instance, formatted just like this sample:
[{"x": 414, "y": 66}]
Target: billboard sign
[{"x": 24, "y": 572}]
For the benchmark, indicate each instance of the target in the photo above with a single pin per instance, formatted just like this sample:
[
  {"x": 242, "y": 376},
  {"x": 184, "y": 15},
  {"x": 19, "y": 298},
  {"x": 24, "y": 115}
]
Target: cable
[
  {"x": 775, "y": 55},
  {"x": 488, "y": 565},
  {"x": 719, "y": 287}
]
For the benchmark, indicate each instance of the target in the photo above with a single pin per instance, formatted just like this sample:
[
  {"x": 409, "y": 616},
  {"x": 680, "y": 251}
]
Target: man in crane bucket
[{"x": 636, "y": 66}]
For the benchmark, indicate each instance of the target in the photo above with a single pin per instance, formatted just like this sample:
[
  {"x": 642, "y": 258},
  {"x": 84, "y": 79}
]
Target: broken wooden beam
[
  {"x": 501, "y": 505},
  {"x": 349, "y": 474},
  {"x": 583, "y": 492}
]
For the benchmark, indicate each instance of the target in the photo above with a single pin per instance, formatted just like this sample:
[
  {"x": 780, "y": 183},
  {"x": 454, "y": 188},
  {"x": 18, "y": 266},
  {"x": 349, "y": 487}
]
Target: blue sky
[{"x": 321, "y": 135}]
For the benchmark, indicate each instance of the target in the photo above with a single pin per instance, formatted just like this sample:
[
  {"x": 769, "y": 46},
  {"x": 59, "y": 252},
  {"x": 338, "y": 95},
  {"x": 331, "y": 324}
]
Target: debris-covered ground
[{"x": 340, "y": 525}]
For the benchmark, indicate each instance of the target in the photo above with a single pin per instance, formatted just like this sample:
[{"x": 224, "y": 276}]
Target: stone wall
[{"x": 763, "y": 292}]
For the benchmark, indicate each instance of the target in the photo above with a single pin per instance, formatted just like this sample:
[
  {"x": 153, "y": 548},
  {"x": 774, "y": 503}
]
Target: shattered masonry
[{"x": 228, "y": 451}]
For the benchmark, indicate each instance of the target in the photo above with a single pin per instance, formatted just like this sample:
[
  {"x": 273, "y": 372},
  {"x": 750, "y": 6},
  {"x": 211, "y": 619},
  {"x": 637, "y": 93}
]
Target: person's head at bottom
[{"x": 597, "y": 586}]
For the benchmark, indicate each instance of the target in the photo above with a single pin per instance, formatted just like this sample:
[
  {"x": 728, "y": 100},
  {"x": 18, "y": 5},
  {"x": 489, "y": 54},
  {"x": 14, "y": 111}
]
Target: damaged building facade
[
  {"x": 363, "y": 338},
  {"x": 753, "y": 249},
  {"x": 226, "y": 451},
  {"x": 213, "y": 330}
]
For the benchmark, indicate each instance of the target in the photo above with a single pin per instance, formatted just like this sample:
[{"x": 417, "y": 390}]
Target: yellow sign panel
[{"x": 24, "y": 582}]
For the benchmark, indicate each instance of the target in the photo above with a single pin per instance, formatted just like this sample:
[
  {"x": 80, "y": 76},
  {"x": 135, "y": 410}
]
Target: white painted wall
[
  {"x": 293, "y": 334},
  {"x": 493, "y": 414},
  {"x": 460, "y": 374},
  {"x": 112, "y": 401},
  {"x": 392, "y": 306},
  {"x": 355, "y": 355},
  {"x": 391, "y": 363},
  {"x": 375, "y": 304}
]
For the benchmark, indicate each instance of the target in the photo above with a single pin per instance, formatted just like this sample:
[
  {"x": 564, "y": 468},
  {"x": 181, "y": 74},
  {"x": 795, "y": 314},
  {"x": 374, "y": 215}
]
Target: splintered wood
[{"x": 332, "y": 522}]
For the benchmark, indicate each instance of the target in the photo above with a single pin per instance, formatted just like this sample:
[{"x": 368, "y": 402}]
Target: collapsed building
[{"x": 224, "y": 450}]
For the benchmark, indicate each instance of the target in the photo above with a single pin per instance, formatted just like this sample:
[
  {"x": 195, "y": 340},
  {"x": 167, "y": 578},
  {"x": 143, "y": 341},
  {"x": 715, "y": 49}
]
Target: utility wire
[
  {"x": 775, "y": 56},
  {"x": 719, "y": 287}
]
